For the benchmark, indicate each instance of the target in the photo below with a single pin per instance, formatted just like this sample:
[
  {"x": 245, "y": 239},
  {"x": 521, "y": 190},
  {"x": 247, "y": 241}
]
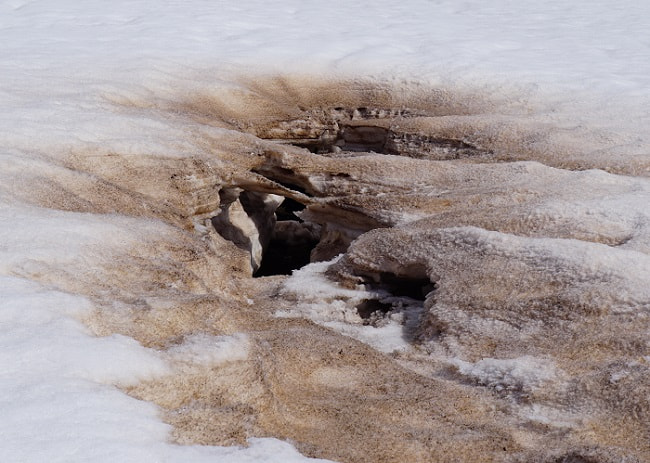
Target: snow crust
[
  {"x": 62, "y": 64},
  {"x": 205, "y": 349},
  {"x": 519, "y": 374},
  {"x": 328, "y": 304}
]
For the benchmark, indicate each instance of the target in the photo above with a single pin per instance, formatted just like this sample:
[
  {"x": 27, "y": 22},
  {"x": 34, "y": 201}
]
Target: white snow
[
  {"x": 509, "y": 375},
  {"x": 328, "y": 304},
  {"x": 61, "y": 62},
  {"x": 320, "y": 288},
  {"x": 206, "y": 349}
]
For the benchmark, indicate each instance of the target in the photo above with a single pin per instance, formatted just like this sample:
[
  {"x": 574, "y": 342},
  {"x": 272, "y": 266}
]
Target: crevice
[
  {"x": 369, "y": 307},
  {"x": 363, "y": 129},
  {"x": 412, "y": 282},
  {"x": 287, "y": 210},
  {"x": 268, "y": 228},
  {"x": 425, "y": 147},
  {"x": 399, "y": 297},
  {"x": 285, "y": 177},
  {"x": 413, "y": 287},
  {"x": 289, "y": 249},
  {"x": 359, "y": 138}
]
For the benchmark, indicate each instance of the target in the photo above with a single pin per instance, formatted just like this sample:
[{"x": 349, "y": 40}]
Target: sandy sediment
[{"x": 499, "y": 230}]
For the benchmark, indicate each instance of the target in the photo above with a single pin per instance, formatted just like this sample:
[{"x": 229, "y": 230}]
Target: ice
[
  {"x": 326, "y": 303},
  {"x": 205, "y": 349},
  {"x": 519, "y": 374}
]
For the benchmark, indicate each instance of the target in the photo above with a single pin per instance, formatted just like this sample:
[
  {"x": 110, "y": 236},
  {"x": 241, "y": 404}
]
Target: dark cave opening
[
  {"x": 368, "y": 307},
  {"x": 287, "y": 210},
  {"x": 291, "y": 243},
  {"x": 413, "y": 287},
  {"x": 255, "y": 221},
  {"x": 410, "y": 290},
  {"x": 413, "y": 282},
  {"x": 283, "y": 255}
]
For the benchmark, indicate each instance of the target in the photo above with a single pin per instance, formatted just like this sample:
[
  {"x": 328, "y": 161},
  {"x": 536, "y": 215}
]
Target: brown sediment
[{"x": 417, "y": 187}]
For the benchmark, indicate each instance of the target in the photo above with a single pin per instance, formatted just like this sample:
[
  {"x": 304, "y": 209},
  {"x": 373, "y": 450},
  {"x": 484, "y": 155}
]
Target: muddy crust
[{"x": 526, "y": 339}]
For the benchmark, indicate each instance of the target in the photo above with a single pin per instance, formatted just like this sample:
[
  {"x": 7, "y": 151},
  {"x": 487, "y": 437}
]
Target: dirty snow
[{"x": 581, "y": 62}]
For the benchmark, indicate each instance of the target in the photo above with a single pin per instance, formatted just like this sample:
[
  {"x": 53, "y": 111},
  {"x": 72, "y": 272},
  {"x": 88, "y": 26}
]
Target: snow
[
  {"x": 206, "y": 349},
  {"x": 58, "y": 399},
  {"x": 331, "y": 305},
  {"x": 518, "y": 374},
  {"x": 62, "y": 62},
  {"x": 322, "y": 289}
]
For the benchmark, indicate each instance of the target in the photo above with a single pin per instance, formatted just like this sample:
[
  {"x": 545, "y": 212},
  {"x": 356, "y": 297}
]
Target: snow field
[{"x": 580, "y": 67}]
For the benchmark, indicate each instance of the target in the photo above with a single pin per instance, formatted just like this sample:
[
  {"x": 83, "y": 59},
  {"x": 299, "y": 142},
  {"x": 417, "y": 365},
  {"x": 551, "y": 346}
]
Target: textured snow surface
[
  {"x": 582, "y": 67},
  {"x": 58, "y": 401},
  {"x": 328, "y": 304},
  {"x": 518, "y": 374}
]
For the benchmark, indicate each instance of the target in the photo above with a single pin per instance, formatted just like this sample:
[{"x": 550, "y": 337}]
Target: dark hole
[
  {"x": 314, "y": 147},
  {"x": 415, "y": 288},
  {"x": 363, "y": 138},
  {"x": 252, "y": 202},
  {"x": 574, "y": 457},
  {"x": 283, "y": 256},
  {"x": 228, "y": 195},
  {"x": 369, "y": 306},
  {"x": 282, "y": 176},
  {"x": 287, "y": 210}
]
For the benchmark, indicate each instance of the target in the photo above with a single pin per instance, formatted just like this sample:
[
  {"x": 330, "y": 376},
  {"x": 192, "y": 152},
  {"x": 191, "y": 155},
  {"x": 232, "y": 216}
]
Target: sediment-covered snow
[
  {"x": 97, "y": 78},
  {"x": 58, "y": 399},
  {"x": 327, "y": 304},
  {"x": 519, "y": 374}
]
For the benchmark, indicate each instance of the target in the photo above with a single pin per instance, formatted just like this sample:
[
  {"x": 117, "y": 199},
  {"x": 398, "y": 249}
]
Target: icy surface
[
  {"x": 333, "y": 306},
  {"x": 211, "y": 350},
  {"x": 520, "y": 374},
  {"x": 64, "y": 66}
]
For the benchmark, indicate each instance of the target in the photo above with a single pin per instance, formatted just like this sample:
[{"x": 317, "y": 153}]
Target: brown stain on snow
[{"x": 330, "y": 395}]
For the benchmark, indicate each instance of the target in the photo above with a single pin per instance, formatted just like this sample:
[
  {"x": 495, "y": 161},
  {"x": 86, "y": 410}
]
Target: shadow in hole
[
  {"x": 292, "y": 243},
  {"x": 405, "y": 295},
  {"x": 369, "y": 307},
  {"x": 414, "y": 287},
  {"x": 287, "y": 210},
  {"x": 282, "y": 257}
]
